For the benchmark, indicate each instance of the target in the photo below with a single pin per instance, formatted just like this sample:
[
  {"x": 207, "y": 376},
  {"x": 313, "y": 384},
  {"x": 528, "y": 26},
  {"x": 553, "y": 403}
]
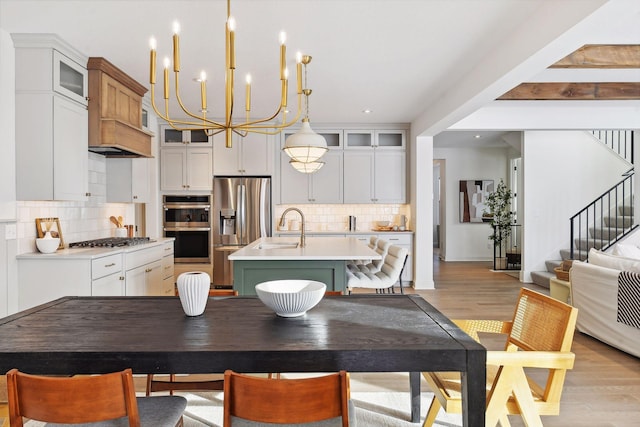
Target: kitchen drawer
[
  {"x": 144, "y": 256},
  {"x": 167, "y": 248},
  {"x": 364, "y": 238},
  {"x": 104, "y": 266},
  {"x": 397, "y": 238},
  {"x": 167, "y": 267}
]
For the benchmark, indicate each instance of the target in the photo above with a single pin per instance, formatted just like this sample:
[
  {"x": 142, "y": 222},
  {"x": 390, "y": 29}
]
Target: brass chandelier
[{"x": 228, "y": 125}]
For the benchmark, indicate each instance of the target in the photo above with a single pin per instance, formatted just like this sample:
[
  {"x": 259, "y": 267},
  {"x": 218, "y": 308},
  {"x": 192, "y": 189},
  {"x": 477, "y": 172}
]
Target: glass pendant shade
[
  {"x": 310, "y": 167},
  {"x": 305, "y": 146}
]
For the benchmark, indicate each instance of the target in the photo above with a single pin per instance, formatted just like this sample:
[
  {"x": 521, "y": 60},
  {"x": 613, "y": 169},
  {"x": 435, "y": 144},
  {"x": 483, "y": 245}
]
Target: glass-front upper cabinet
[
  {"x": 375, "y": 139},
  {"x": 172, "y": 137},
  {"x": 69, "y": 78}
]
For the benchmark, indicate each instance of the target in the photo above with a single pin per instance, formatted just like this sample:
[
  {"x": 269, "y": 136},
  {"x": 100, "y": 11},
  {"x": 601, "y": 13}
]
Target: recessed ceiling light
[
  {"x": 478, "y": 136},
  {"x": 367, "y": 111}
]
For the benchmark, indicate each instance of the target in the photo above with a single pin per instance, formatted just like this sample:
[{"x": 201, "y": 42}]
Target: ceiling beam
[
  {"x": 602, "y": 56},
  {"x": 574, "y": 91}
]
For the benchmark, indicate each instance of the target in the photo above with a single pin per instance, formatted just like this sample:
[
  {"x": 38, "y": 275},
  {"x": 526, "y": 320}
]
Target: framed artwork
[
  {"x": 51, "y": 225},
  {"x": 473, "y": 197}
]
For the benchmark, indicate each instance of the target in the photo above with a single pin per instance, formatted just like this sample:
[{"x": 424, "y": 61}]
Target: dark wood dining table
[{"x": 356, "y": 333}]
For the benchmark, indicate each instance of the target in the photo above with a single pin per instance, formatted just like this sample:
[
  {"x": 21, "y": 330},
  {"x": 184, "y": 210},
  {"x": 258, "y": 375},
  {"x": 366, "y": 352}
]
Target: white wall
[
  {"x": 557, "y": 185},
  {"x": 468, "y": 241}
]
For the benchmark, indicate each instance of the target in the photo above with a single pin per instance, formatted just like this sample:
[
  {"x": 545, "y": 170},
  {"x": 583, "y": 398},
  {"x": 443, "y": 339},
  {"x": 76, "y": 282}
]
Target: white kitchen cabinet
[
  {"x": 383, "y": 139},
  {"x": 139, "y": 270},
  {"x": 170, "y": 137},
  {"x": 374, "y": 176},
  {"x": 186, "y": 169},
  {"x": 168, "y": 280},
  {"x": 51, "y": 158},
  {"x": 251, "y": 155},
  {"x": 145, "y": 280},
  {"x": 51, "y": 119},
  {"x": 323, "y": 186},
  {"x": 144, "y": 272},
  {"x": 107, "y": 277},
  {"x": 43, "y": 278},
  {"x": 128, "y": 180}
]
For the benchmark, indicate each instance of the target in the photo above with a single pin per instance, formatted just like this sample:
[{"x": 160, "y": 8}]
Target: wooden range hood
[{"x": 115, "y": 112}]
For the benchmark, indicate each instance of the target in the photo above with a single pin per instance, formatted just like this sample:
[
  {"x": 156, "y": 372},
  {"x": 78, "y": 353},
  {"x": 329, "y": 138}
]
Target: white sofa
[{"x": 594, "y": 291}]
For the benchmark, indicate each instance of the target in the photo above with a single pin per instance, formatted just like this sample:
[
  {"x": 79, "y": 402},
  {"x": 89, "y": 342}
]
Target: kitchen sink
[{"x": 277, "y": 245}]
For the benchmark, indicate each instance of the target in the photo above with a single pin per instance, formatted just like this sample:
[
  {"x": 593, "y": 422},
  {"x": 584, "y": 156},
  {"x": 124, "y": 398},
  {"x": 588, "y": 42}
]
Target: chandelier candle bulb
[
  {"x": 152, "y": 61},
  {"x": 203, "y": 90},
  {"x": 248, "y": 96},
  {"x": 166, "y": 78},
  {"x": 232, "y": 43},
  {"x": 176, "y": 47},
  {"x": 283, "y": 55},
  {"x": 285, "y": 83}
]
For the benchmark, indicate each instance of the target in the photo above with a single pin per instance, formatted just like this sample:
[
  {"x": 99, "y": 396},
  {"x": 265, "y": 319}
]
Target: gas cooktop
[{"x": 111, "y": 242}]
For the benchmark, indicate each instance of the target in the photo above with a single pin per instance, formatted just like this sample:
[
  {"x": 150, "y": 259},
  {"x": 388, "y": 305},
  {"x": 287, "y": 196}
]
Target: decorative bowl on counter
[
  {"x": 381, "y": 224},
  {"x": 47, "y": 244},
  {"x": 290, "y": 298}
]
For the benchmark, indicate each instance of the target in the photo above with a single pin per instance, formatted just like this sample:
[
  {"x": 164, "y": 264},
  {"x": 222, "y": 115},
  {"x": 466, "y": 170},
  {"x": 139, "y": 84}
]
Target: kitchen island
[{"x": 272, "y": 258}]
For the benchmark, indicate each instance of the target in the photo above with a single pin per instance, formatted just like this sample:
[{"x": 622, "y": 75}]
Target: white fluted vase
[{"x": 193, "y": 289}]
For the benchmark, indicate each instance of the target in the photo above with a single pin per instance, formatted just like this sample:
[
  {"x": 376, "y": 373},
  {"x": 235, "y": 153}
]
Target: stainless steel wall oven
[{"x": 188, "y": 219}]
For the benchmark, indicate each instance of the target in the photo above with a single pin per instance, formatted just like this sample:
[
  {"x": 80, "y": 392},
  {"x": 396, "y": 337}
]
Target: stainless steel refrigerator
[{"x": 241, "y": 214}]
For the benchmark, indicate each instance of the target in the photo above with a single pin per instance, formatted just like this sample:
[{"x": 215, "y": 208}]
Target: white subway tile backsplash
[{"x": 336, "y": 217}]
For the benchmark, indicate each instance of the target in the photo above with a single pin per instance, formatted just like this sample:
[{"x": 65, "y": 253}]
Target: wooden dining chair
[
  {"x": 101, "y": 399},
  {"x": 205, "y": 382},
  {"x": 539, "y": 338},
  {"x": 310, "y": 401}
]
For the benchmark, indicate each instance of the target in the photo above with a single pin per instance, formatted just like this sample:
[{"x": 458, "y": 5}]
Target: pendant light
[{"x": 305, "y": 146}]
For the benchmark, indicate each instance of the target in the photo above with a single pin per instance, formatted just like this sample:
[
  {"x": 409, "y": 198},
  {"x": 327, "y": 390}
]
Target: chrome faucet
[{"x": 302, "y": 225}]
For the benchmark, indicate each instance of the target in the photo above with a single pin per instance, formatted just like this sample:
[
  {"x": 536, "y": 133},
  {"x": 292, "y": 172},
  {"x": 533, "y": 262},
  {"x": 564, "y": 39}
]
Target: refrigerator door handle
[
  {"x": 263, "y": 204},
  {"x": 242, "y": 214}
]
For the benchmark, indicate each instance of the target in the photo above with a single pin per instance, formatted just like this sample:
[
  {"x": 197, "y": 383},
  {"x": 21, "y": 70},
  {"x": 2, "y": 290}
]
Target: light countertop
[
  {"x": 96, "y": 252},
  {"x": 316, "y": 248}
]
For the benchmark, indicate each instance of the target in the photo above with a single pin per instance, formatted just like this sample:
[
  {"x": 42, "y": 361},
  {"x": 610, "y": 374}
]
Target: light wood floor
[{"x": 603, "y": 389}]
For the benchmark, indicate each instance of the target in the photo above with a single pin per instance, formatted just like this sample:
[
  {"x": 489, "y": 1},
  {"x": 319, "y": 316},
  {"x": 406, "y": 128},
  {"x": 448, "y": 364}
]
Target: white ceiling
[{"x": 425, "y": 61}]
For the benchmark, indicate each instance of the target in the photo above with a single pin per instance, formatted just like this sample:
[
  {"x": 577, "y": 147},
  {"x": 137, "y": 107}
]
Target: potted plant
[{"x": 501, "y": 216}]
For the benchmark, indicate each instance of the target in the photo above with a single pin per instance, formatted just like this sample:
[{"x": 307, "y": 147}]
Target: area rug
[{"x": 373, "y": 409}]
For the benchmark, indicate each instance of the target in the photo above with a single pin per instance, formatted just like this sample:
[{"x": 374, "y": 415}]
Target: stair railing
[
  {"x": 620, "y": 141},
  {"x": 593, "y": 227}
]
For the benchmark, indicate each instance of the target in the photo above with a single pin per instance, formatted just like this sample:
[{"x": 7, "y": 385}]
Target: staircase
[
  {"x": 599, "y": 238},
  {"x": 605, "y": 220}
]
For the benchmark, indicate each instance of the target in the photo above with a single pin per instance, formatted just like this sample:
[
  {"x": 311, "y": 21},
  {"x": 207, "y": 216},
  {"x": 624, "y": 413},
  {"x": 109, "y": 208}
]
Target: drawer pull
[
  {"x": 167, "y": 249},
  {"x": 110, "y": 265},
  {"x": 148, "y": 270}
]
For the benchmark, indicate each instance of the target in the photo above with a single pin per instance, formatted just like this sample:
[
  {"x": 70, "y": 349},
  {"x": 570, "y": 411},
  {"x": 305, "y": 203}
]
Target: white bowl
[
  {"x": 382, "y": 223},
  {"x": 290, "y": 298},
  {"x": 47, "y": 245}
]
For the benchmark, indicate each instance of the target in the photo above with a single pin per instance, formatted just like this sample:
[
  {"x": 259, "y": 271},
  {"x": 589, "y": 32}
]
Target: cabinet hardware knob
[
  {"x": 87, "y": 194},
  {"x": 121, "y": 277},
  {"x": 135, "y": 197},
  {"x": 148, "y": 270}
]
